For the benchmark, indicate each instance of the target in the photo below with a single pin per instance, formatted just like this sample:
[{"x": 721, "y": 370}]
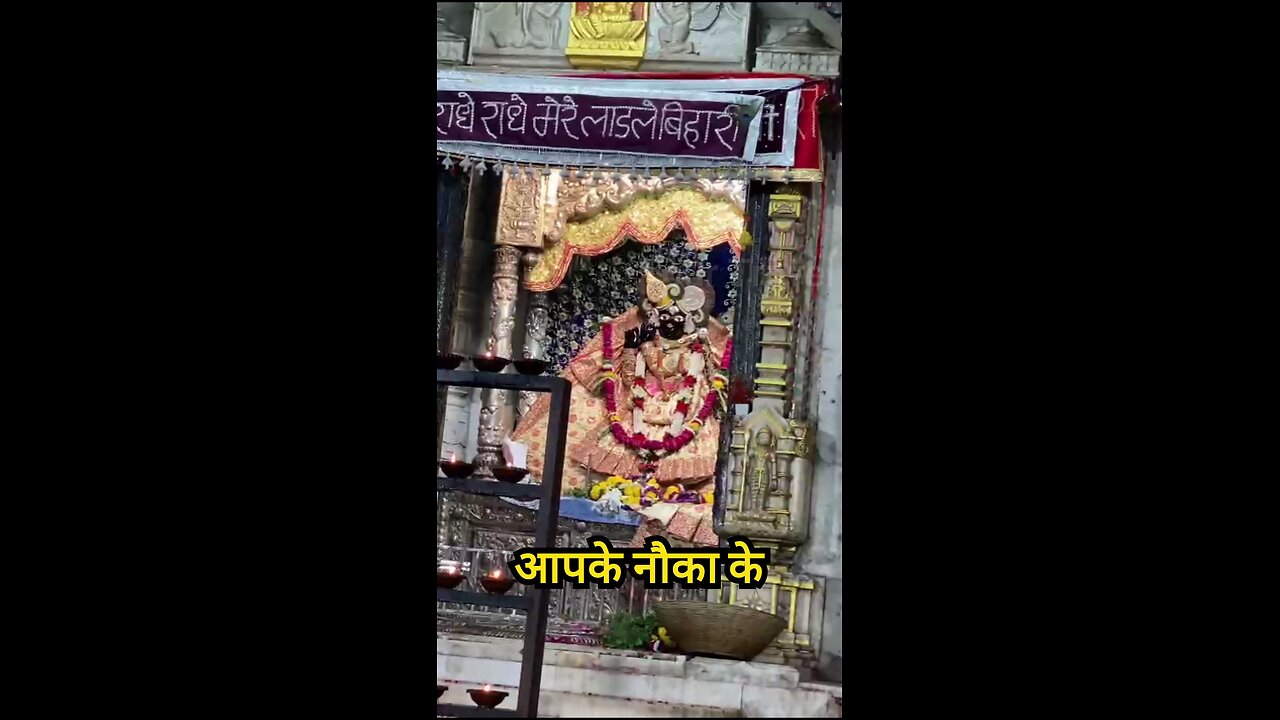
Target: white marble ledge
[
  {"x": 594, "y": 682},
  {"x": 629, "y": 662},
  {"x": 834, "y": 690}
]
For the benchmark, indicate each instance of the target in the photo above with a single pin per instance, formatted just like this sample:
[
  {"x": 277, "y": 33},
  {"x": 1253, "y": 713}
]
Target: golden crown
[{"x": 656, "y": 290}]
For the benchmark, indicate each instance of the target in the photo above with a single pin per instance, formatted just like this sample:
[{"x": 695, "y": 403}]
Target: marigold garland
[
  {"x": 635, "y": 495},
  {"x": 670, "y": 443}
]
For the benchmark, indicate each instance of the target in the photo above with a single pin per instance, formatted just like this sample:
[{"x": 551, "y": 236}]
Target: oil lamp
[
  {"x": 488, "y": 363},
  {"x": 455, "y": 468},
  {"x": 448, "y": 575},
  {"x": 506, "y": 473},
  {"x": 488, "y": 697},
  {"x": 530, "y": 366},
  {"x": 497, "y": 582}
]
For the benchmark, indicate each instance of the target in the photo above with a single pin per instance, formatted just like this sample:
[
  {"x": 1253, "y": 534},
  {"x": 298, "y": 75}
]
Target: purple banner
[
  {"x": 592, "y": 123},
  {"x": 772, "y": 120}
]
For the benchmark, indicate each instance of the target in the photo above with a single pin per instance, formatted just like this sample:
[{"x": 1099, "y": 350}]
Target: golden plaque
[{"x": 607, "y": 35}]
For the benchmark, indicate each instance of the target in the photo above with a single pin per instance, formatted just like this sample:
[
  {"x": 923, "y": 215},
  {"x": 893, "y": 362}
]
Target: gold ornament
[
  {"x": 656, "y": 290},
  {"x": 607, "y": 35}
]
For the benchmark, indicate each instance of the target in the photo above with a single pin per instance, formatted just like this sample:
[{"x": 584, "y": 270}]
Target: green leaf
[{"x": 630, "y": 632}]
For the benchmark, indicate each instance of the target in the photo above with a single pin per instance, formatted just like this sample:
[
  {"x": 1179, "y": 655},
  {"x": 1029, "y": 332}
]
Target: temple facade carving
[
  {"x": 604, "y": 35},
  {"x": 453, "y": 24},
  {"x": 800, "y": 49}
]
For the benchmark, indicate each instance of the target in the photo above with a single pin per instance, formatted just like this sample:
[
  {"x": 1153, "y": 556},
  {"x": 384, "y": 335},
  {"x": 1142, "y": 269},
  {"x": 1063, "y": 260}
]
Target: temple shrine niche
[{"x": 661, "y": 243}]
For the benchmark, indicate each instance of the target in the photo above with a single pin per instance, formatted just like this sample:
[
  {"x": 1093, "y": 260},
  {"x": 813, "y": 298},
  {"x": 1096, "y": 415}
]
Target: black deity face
[{"x": 670, "y": 322}]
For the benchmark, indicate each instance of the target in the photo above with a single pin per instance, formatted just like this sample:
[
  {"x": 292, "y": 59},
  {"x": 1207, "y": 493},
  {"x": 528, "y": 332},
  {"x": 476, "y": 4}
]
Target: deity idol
[
  {"x": 645, "y": 396},
  {"x": 607, "y": 25}
]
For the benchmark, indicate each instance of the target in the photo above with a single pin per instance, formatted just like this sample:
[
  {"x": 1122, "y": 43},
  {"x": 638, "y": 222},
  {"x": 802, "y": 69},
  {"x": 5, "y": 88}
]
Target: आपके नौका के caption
[{"x": 657, "y": 565}]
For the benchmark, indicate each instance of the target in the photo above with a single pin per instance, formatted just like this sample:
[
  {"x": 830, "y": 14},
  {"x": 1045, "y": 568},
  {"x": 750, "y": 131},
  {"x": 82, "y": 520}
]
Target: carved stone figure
[
  {"x": 674, "y": 37},
  {"x": 504, "y": 23},
  {"x": 705, "y": 35},
  {"x": 763, "y": 469},
  {"x": 542, "y": 24}
]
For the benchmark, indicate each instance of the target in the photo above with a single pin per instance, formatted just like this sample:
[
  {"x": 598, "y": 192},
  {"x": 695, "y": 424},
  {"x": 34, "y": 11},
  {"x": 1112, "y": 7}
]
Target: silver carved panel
[
  {"x": 502, "y": 313},
  {"x": 489, "y": 525}
]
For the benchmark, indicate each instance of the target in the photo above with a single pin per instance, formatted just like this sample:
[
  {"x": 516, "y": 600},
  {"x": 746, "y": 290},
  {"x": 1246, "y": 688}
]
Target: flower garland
[
  {"x": 670, "y": 443},
  {"x": 630, "y": 490},
  {"x": 634, "y": 495}
]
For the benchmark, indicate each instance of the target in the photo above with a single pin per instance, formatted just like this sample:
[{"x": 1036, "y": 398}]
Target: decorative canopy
[{"x": 591, "y": 217}]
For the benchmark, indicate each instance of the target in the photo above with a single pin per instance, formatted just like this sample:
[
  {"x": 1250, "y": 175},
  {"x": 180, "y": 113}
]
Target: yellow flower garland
[{"x": 630, "y": 490}]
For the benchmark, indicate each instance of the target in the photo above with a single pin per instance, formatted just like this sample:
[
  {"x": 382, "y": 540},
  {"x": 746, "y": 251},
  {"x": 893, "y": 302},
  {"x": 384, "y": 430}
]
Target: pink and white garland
[{"x": 670, "y": 443}]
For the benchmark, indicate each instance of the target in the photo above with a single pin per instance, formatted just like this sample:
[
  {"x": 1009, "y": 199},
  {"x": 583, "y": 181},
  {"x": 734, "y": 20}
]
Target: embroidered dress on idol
[{"x": 647, "y": 394}]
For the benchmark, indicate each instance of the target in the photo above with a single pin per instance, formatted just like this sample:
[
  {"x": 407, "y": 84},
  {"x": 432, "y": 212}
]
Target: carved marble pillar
[
  {"x": 502, "y": 316},
  {"x": 767, "y": 493},
  {"x": 535, "y": 332},
  {"x": 778, "y": 306}
]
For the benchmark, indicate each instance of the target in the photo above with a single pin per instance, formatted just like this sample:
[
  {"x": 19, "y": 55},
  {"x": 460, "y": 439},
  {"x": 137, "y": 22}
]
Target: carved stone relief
[
  {"x": 519, "y": 209},
  {"x": 767, "y": 487},
  {"x": 801, "y": 49},
  {"x": 673, "y": 36},
  {"x": 542, "y": 27},
  {"x": 774, "y": 376},
  {"x": 453, "y": 26},
  {"x": 773, "y": 21},
  {"x": 699, "y": 35},
  {"x": 514, "y": 33},
  {"x": 679, "y": 36}
]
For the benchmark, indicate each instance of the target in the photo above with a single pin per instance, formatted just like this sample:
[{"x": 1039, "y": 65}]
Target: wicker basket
[{"x": 718, "y": 630}]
